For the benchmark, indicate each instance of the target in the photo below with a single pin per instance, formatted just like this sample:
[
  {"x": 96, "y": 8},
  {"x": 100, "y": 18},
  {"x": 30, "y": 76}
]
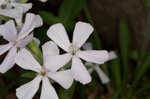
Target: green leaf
[
  {"x": 124, "y": 47},
  {"x": 67, "y": 94},
  {"x": 10, "y": 75},
  {"x": 134, "y": 55},
  {"x": 142, "y": 70},
  {"x": 35, "y": 51},
  {"x": 115, "y": 68},
  {"x": 28, "y": 74},
  {"x": 49, "y": 18},
  {"x": 69, "y": 10}
]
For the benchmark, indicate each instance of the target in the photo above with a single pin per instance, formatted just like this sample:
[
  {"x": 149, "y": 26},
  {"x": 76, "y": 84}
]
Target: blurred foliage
[{"x": 129, "y": 76}]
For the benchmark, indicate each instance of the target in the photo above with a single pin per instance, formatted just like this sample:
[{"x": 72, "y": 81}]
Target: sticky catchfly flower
[
  {"x": 14, "y": 9},
  {"x": 81, "y": 33},
  {"x": 25, "y": 60},
  {"x": 16, "y": 40}
]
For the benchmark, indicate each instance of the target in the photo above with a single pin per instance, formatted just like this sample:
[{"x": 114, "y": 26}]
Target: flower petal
[
  {"x": 79, "y": 72},
  {"x": 58, "y": 34},
  {"x": 22, "y": 43},
  {"x": 25, "y": 6},
  {"x": 28, "y": 90},
  {"x": 32, "y": 21},
  {"x": 5, "y": 48},
  {"x": 64, "y": 78},
  {"x": 53, "y": 63},
  {"x": 12, "y": 13},
  {"x": 48, "y": 91},
  {"x": 94, "y": 56},
  {"x": 26, "y": 61},
  {"x": 50, "y": 49},
  {"x": 81, "y": 33},
  {"x": 101, "y": 75},
  {"x": 112, "y": 55},
  {"x": 37, "y": 41},
  {"x": 8, "y": 31},
  {"x": 1, "y": 2},
  {"x": 9, "y": 60},
  {"x": 43, "y": 0}
]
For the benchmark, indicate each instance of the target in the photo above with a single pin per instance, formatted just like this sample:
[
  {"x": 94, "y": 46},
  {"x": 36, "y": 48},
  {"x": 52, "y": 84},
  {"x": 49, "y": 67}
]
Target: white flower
[
  {"x": 96, "y": 67},
  {"x": 25, "y": 60},
  {"x": 81, "y": 33},
  {"x": 14, "y": 9},
  {"x": 16, "y": 40}
]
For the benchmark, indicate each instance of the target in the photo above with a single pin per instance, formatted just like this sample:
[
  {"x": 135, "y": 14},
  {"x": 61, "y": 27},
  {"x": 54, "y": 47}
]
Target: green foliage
[
  {"x": 49, "y": 18},
  {"x": 67, "y": 94},
  {"x": 142, "y": 69},
  {"x": 28, "y": 74},
  {"x": 36, "y": 52},
  {"x": 116, "y": 75},
  {"x": 124, "y": 48},
  {"x": 69, "y": 10}
]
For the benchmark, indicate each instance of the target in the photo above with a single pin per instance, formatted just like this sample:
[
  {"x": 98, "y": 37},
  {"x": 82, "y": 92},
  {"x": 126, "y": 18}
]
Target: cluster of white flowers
[{"x": 20, "y": 34}]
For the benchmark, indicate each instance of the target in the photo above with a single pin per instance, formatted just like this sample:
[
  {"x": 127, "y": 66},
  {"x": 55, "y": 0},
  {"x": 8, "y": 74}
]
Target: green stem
[{"x": 36, "y": 52}]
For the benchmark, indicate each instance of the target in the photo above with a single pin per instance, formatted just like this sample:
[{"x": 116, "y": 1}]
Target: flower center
[
  {"x": 73, "y": 49},
  {"x": 15, "y": 43},
  {"x": 43, "y": 71}
]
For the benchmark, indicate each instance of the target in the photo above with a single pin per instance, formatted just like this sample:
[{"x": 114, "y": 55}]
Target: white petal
[
  {"x": 32, "y": 21},
  {"x": 58, "y": 34},
  {"x": 50, "y": 49},
  {"x": 81, "y": 33},
  {"x": 25, "y": 6},
  {"x": 101, "y": 75},
  {"x": 37, "y": 41},
  {"x": 12, "y": 13},
  {"x": 9, "y": 60},
  {"x": 26, "y": 61},
  {"x": 48, "y": 91},
  {"x": 5, "y": 48},
  {"x": 53, "y": 63},
  {"x": 1, "y": 2},
  {"x": 79, "y": 71},
  {"x": 94, "y": 56},
  {"x": 64, "y": 78},
  {"x": 22, "y": 43},
  {"x": 43, "y": 0},
  {"x": 8, "y": 31},
  {"x": 28, "y": 90},
  {"x": 112, "y": 55}
]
